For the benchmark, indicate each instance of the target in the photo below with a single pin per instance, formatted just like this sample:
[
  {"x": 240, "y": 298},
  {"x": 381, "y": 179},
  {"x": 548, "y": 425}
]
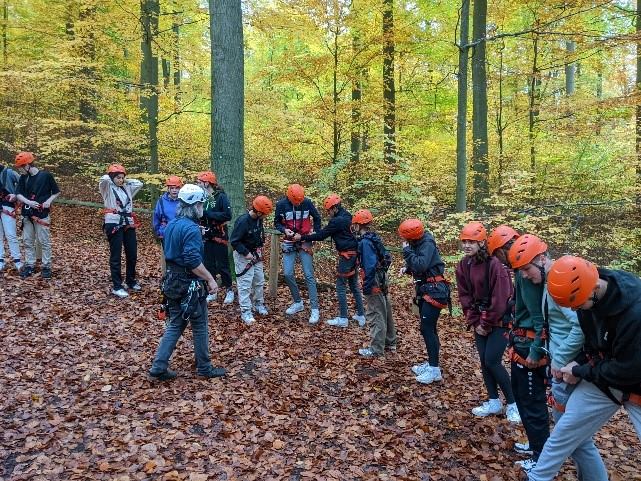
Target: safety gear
[
  {"x": 207, "y": 176},
  {"x": 331, "y": 200},
  {"x": 296, "y": 194},
  {"x": 411, "y": 229},
  {"x": 499, "y": 237},
  {"x": 525, "y": 249},
  {"x": 262, "y": 205},
  {"x": 24, "y": 158},
  {"x": 474, "y": 231},
  {"x": 488, "y": 408},
  {"x": 190, "y": 194},
  {"x": 571, "y": 281},
  {"x": 362, "y": 216},
  {"x": 433, "y": 374},
  {"x": 116, "y": 169},
  {"x": 174, "y": 181}
]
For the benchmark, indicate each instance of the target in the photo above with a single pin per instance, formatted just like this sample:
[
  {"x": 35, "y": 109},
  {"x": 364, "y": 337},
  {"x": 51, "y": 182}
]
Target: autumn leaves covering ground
[{"x": 297, "y": 403}]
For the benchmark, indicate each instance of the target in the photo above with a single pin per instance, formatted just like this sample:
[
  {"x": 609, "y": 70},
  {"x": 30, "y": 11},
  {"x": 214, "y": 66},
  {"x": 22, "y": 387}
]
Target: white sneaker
[
  {"x": 512, "y": 414},
  {"x": 247, "y": 317},
  {"x": 522, "y": 448},
  {"x": 368, "y": 352},
  {"x": 433, "y": 374},
  {"x": 211, "y": 298},
  {"x": 120, "y": 293},
  {"x": 261, "y": 309},
  {"x": 493, "y": 406},
  {"x": 314, "y": 316},
  {"x": 360, "y": 319},
  {"x": 338, "y": 322},
  {"x": 419, "y": 369},
  {"x": 229, "y": 297},
  {"x": 18, "y": 265},
  {"x": 526, "y": 465},
  {"x": 136, "y": 287},
  {"x": 295, "y": 308}
]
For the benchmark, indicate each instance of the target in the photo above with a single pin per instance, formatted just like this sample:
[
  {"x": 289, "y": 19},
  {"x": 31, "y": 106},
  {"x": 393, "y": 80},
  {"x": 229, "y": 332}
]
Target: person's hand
[
  {"x": 402, "y": 271},
  {"x": 289, "y": 233},
  {"x": 567, "y": 373},
  {"x": 481, "y": 331},
  {"x": 11, "y": 197},
  {"x": 46, "y": 204},
  {"x": 405, "y": 244},
  {"x": 530, "y": 363},
  {"x": 297, "y": 237},
  {"x": 33, "y": 204},
  {"x": 212, "y": 287},
  {"x": 556, "y": 373},
  {"x": 249, "y": 256},
  {"x": 203, "y": 229}
]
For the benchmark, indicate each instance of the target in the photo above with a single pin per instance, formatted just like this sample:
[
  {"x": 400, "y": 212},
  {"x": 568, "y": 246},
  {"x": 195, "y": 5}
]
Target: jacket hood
[{"x": 624, "y": 290}]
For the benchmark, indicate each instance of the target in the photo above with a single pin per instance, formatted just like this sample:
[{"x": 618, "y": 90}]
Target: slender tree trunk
[
  {"x": 533, "y": 110},
  {"x": 355, "y": 144},
  {"x": 5, "y": 38},
  {"x": 499, "y": 120},
  {"x": 87, "y": 54},
  {"x": 389, "y": 91},
  {"x": 638, "y": 110},
  {"x": 166, "y": 72},
  {"x": 461, "y": 119},
  {"x": 335, "y": 97},
  {"x": 227, "y": 93},
  {"x": 570, "y": 68},
  {"x": 150, "y": 10},
  {"x": 480, "y": 161},
  {"x": 175, "y": 30}
]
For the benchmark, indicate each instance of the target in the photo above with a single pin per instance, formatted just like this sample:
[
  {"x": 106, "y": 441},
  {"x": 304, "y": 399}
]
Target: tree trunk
[
  {"x": 5, "y": 38},
  {"x": 570, "y": 69},
  {"x": 480, "y": 162},
  {"x": 355, "y": 145},
  {"x": 87, "y": 54},
  {"x": 638, "y": 110},
  {"x": 175, "y": 30},
  {"x": 166, "y": 72},
  {"x": 335, "y": 98},
  {"x": 461, "y": 119},
  {"x": 389, "y": 92},
  {"x": 533, "y": 110},
  {"x": 150, "y": 10},
  {"x": 500, "y": 128},
  {"x": 227, "y": 93}
]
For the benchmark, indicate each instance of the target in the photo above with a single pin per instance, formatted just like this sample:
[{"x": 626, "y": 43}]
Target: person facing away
[
  {"x": 339, "y": 229},
  {"x": 8, "y": 226},
  {"x": 37, "y": 190},
  {"x": 185, "y": 286},
  {"x": 297, "y": 214},
  {"x": 485, "y": 291}
]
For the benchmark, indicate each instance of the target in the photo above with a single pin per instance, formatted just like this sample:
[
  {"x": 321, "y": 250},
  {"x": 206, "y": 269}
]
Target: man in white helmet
[{"x": 184, "y": 287}]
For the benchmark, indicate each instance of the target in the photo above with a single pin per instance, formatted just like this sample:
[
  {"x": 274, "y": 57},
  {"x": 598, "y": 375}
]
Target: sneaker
[
  {"x": 213, "y": 372},
  {"x": 295, "y": 308},
  {"x": 360, "y": 319},
  {"x": 433, "y": 374},
  {"x": 314, "y": 316},
  {"x": 488, "y": 408},
  {"x": 522, "y": 448},
  {"x": 211, "y": 298},
  {"x": 46, "y": 272},
  {"x": 391, "y": 348},
  {"x": 247, "y": 317},
  {"x": 18, "y": 264},
  {"x": 229, "y": 297},
  {"x": 512, "y": 414},
  {"x": 261, "y": 309},
  {"x": 167, "y": 375},
  {"x": 120, "y": 293},
  {"x": 368, "y": 352},
  {"x": 419, "y": 369},
  {"x": 136, "y": 286},
  {"x": 338, "y": 322},
  {"x": 26, "y": 271},
  {"x": 526, "y": 465}
]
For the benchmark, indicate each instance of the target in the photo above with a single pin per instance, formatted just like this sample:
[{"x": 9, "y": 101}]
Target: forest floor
[{"x": 298, "y": 403}]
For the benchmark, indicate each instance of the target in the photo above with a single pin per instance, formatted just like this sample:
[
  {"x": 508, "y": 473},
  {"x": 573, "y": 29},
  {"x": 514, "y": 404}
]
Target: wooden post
[{"x": 274, "y": 261}]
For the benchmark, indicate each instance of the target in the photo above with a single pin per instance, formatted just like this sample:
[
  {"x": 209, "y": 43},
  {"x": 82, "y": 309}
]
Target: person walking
[
  {"x": 165, "y": 212},
  {"x": 8, "y": 226}
]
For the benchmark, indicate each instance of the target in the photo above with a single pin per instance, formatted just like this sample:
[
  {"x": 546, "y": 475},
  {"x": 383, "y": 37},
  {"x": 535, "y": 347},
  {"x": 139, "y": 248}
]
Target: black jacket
[
  {"x": 338, "y": 228},
  {"x": 612, "y": 330},
  {"x": 216, "y": 214},
  {"x": 248, "y": 234},
  {"x": 422, "y": 258}
]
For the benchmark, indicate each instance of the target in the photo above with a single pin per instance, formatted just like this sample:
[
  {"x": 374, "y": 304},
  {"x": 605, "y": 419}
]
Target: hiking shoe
[
  {"x": 314, "y": 316},
  {"x": 522, "y": 448},
  {"x": 46, "y": 272},
  {"x": 488, "y": 408},
  {"x": 526, "y": 465},
  {"x": 338, "y": 322},
  {"x": 368, "y": 352},
  {"x": 247, "y": 317},
  {"x": 211, "y": 298},
  {"x": 213, "y": 372},
  {"x": 419, "y": 369},
  {"x": 512, "y": 414},
  {"x": 229, "y": 297},
  {"x": 167, "y": 375},
  {"x": 295, "y": 308},
  {"x": 433, "y": 374},
  {"x": 360, "y": 319},
  {"x": 261, "y": 309},
  {"x": 26, "y": 271},
  {"x": 120, "y": 293}
]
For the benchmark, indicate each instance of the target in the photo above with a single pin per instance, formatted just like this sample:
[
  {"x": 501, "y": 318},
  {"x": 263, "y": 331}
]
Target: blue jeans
[
  {"x": 174, "y": 330},
  {"x": 307, "y": 263},
  {"x": 341, "y": 293}
]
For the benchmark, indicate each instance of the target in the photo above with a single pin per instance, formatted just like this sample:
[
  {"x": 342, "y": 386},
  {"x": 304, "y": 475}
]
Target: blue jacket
[
  {"x": 368, "y": 257},
  {"x": 338, "y": 228},
  {"x": 183, "y": 244},
  {"x": 164, "y": 212}
]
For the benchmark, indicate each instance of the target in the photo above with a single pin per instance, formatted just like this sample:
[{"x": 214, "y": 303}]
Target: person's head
[
  {"x": 529, "y": 255},
  {"x": 117, "y": 173},
  {"x": 173, "y": 183},
  {"x": 473, "y": 240},
  {"x": 332, "y": 204},
  {"x": 499, "y": 242},
  {"x": 24, "y": 162},
  {"x": 361, "y": 221},
  {"x": 411, "y": 230},
  {"x": 207, "y": 180},
  {"x": 296, "y": 194},
  {"x": 191, "y": 198},
  {"x": 574, "y": 282},
  {"x": 261, "y": 206}
]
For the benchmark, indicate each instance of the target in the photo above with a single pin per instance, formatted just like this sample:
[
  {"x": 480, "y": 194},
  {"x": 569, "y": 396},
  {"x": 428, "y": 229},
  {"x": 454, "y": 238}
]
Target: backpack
[{"x": 382, "y": 254}]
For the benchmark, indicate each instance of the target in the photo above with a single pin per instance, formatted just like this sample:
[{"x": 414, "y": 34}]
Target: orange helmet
[
  {"x": 116, "y": 169},
  {"x": 331, "y": 200},
  {"x": 174, "y": 181},
  {"x": 499, "y": 237},
  {"x": 262, "y": 204},
  {"x": 525, "y": 249},
  {"x": 207, "y": 176},
  {"x": 24, "y": 158},
  {"x": 362, "y": 216},
  {"x": 474, "y": 231},
  {"x": 411, "y": 229},
  {"x": 571, "y": 281},
  {"x": 296, "y": 194}
]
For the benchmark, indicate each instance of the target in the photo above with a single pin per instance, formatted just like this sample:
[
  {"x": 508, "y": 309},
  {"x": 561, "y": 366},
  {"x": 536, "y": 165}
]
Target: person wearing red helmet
[
  {"x": 485, "y": 292},
  {"x": 423, "y": 262},
  {"x": 499, "y": 242},
  {"x": 374, "y": 260},
  {"x": 247, "y": 239},
  {"x": 37, "y": 189},
  {"x": 297, "y": 214},
  {"x": 608, "y": 375},
  {"x": 120, "y": 226},
  {"x": 165, "y": 211},
  {"x": 8, "y": 226}
]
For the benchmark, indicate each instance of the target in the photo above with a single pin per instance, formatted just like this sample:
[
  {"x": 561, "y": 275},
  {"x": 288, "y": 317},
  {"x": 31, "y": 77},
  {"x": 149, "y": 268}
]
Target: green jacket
[{"x": 529, "y": 315}]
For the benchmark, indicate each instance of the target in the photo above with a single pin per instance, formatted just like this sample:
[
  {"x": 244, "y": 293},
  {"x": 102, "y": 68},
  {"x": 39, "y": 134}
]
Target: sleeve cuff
[{"x": 582, "y": 371}]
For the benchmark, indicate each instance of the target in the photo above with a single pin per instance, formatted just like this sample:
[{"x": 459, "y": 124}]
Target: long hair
[
  {"x": 188, "y": 210},
  {"x": 482, "y": 255}
]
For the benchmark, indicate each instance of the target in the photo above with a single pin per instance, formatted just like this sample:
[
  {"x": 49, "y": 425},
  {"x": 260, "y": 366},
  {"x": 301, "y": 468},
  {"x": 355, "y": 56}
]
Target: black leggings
[
  {"x": 491, "y": 349},
  {"x": 217, "y": 262},
  {"x": 429, "y": 317},
  {"x": 127, "y": 238}
]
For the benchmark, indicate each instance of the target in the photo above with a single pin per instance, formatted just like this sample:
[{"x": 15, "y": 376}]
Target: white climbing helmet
[{"x": 190, "y": 194}]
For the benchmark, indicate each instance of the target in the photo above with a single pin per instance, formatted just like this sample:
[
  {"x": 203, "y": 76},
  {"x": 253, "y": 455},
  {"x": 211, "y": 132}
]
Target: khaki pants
[
  {"x": 250, "y": 284},
  {"x": 379, "y": 317},
  {"x": 34, "y": 233}
]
